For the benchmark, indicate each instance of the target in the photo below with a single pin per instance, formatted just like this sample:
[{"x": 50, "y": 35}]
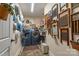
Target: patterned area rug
[{"x": 32, "y": 51}]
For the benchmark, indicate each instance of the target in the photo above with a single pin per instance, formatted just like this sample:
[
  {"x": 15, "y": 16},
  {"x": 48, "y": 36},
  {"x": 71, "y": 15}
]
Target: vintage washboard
[{"x": 64, "y": 19}]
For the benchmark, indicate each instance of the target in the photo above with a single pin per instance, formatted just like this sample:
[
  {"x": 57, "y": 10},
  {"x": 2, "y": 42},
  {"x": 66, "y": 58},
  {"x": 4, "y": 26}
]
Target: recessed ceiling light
[{"x": 32, "y": 7}]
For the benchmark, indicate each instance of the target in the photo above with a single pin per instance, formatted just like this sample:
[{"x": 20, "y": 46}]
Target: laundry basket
[{"x": 44, "y": 48}]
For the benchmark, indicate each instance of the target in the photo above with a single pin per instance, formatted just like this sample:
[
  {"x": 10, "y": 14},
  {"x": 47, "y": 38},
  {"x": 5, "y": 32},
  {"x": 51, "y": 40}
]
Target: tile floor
[{"x": 32, "y": 51}]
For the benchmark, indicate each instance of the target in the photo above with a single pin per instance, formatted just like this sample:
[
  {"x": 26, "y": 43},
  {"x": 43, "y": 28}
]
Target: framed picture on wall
[
  {"x": 74, "y": 5},
  {"x": 75, "y": 8},
  {"x": 64, "y": 18},
  {"x": 63, "y": 6},
  {"x": 64, "y": 21},
  {"x": 55, "y": 11}
]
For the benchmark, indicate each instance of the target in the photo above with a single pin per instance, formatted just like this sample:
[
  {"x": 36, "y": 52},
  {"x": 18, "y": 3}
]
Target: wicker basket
[{"x": 3, "y": 13}]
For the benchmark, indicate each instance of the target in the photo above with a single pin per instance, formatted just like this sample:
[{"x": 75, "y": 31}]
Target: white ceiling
[{"x": 38, "y": 9}]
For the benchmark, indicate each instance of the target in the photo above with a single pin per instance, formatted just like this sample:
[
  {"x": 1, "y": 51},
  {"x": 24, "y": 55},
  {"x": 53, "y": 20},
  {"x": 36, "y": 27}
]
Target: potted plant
[{"x": 5, "y": 9}]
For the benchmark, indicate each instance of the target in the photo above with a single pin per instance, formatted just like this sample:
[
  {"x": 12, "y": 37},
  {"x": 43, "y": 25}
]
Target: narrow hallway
[{"x": 39, "y": 29}]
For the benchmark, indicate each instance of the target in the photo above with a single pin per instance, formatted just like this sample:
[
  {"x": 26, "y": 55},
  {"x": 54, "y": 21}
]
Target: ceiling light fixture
[{"x": 32, "y": 7}]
